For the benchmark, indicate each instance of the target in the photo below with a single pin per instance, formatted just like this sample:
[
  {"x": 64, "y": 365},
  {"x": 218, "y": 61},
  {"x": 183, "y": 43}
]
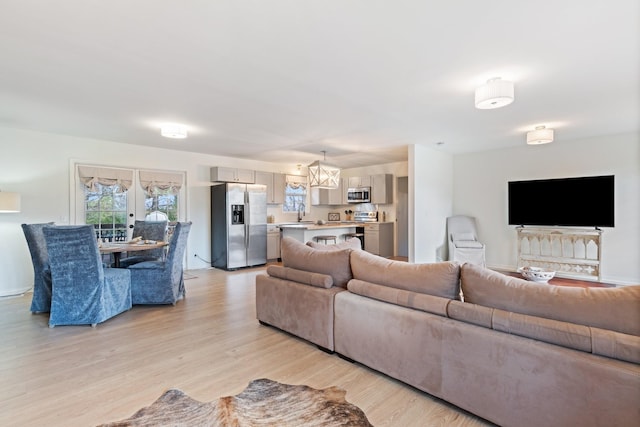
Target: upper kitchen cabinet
[
  {"x": 359, "y": 181},
  {"x": 223, "y": 174},
  {"x": 325, "y": 196},
  {"x": 275, "y": 183},
  {"x": 382, "y": 189}
]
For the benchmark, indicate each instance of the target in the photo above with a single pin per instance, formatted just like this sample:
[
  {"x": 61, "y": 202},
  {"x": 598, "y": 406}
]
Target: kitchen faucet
[{"x": 300, "y": 211}]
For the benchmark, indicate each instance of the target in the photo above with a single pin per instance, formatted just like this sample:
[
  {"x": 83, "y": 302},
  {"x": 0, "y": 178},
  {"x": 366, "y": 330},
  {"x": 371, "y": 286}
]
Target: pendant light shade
[
  {"x": 323, "y": 175},
  {"x": 9, "y": 202},
  {"x": 541, "y": 135},
  {"x": 495, "y": 93}
]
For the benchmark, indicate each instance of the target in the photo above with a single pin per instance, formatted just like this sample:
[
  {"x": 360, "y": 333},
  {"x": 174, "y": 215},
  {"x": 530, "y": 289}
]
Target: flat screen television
[{"x": 573, "y": 202}]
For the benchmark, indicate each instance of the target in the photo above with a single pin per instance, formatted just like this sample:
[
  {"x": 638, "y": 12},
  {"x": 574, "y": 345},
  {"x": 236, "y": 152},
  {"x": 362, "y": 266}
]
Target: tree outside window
[
  {"x": 163, "y": 201},
  {"x": 106, "y": 210}
]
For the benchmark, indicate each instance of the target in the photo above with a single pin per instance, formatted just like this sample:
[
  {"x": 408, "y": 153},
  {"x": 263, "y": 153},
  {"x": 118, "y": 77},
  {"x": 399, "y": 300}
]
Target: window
[
  {"x": 106, "y": 200},
  {"x": 162, "y": 205},
  {"x": 106, "y": 210},
  {"x": 161, "y": 191},
  {"x": 295, "y": 193}
]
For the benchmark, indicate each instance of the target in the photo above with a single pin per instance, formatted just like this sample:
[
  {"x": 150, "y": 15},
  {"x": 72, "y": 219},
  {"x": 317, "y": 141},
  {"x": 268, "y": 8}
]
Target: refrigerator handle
[{"x": 247, "y": 219}]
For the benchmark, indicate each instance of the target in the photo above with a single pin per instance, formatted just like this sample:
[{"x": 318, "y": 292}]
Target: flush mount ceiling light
[
  {"x": 495, "y": 93},
  {"x": 173, "y": 130},
  {"x": 323, "y": 175},
  {"x": 9, "y": 202},
  {"x": 541, "y": 135}
]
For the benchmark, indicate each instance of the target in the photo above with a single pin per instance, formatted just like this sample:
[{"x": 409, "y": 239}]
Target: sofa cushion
[
  {"x": 556, "y": 332},
  {"x": 615, "y": 309},
  {"x": 615, "y": 345},
  {"x": 353, "y": 243},
  {"x": 470, "y": 313},
  {"x": 302, "y": 257},
  {"x": 306, "y": 277},
  {"x": 441, "y": 279},
  {"x": 423, "y": 302}
]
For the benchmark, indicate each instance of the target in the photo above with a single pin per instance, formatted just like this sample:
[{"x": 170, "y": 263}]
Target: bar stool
[
  {"x": 360, "y": 236},
  {"x": 325, "y": 238}
]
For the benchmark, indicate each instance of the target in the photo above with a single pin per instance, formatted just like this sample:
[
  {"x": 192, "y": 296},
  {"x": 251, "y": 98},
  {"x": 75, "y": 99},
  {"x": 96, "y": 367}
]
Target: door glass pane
[
  {"x": 106, "y": 210},
  {"x": 162, "y": 206}
]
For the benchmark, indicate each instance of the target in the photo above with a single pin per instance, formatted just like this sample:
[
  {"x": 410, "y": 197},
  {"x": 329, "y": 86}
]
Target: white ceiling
[{"x": 281, "y": 81}]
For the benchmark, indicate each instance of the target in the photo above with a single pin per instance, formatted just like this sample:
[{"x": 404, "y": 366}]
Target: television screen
[{"x": 576, "y": 202}]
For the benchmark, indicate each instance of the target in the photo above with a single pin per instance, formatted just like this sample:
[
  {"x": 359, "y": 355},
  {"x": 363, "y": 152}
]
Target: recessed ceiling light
[{"x": 173, "y": 130}]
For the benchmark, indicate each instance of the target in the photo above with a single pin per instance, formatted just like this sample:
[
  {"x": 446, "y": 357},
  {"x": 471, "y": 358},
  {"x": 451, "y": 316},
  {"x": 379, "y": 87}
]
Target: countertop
[
  {"x": 314, "y": 226},
  {"x": 332, "y": 224}
]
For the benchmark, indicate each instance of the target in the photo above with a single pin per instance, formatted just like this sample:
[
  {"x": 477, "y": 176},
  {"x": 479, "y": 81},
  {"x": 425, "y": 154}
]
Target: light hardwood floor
[{"x": 209, "y": 345}]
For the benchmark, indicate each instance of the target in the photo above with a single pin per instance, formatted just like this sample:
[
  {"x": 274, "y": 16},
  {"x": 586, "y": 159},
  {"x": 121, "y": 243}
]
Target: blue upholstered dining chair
[
  {"x": 41, "y": 300},
  {"x": 161, "y": 282},
  {"x": 147, "y": 230},
  {"x": 83, "y": 293}
]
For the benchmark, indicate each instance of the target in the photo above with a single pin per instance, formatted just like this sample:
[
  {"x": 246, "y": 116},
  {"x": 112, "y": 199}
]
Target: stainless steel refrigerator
[{"x": 238, "y": 225}]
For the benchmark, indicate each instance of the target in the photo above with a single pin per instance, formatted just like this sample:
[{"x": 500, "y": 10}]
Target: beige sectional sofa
[{"x": 514, "y": 352}]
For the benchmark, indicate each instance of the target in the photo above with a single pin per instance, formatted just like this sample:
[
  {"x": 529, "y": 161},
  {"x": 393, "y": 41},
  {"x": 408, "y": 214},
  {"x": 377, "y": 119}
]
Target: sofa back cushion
[
  {"x": 353, "y": 243},
  {"x": 614, "y": 309},
  {"x": 302, "y": 257},
  {"x": 441, "y": 279}
]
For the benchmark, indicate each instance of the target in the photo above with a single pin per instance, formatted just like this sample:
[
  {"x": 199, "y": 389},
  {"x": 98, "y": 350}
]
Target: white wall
[
  {"x": 37, "y": 166},
  {"x": 480, "y": 190},
  {"x": 430, "y": 203}
]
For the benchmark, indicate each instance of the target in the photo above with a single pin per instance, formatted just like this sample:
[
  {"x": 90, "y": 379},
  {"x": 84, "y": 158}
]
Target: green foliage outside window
[{"x": 106, "y": 210}]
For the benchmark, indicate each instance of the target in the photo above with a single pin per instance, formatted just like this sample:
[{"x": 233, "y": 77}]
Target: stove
[{"x": 365, "y": 216}]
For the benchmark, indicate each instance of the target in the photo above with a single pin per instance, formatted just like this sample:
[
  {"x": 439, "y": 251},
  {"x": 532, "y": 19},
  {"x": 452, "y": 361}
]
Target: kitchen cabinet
[
  {"x": 359, "y": 181},
  {"x": 275, "y": 183},
  {"x": 273, "y": 242},
  {"x": 378, "y": 238},
  {"x": 224, "y": 174},
  {"x": 382, "y": 189},
  {"x": 326, "y": 196}
]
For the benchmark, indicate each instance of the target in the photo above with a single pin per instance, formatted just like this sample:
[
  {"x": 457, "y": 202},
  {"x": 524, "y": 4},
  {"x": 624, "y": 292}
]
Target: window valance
[
  {"x": 92, "y": 175},
  {"x": 151, "y": 181},
  {"x": 296, "y": 181}
]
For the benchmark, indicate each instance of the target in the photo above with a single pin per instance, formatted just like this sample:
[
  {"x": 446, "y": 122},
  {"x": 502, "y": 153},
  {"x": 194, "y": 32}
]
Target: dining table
[{"x": 117, "y": 248}]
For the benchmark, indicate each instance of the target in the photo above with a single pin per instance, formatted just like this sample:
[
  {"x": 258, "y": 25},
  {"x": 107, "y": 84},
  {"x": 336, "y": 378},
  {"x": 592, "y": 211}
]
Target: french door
[{"x": 112, "y": 198}]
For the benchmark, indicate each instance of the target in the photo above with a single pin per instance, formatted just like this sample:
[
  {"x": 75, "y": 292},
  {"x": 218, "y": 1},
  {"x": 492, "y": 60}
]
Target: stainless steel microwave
[{"x": 359, "y": 195}]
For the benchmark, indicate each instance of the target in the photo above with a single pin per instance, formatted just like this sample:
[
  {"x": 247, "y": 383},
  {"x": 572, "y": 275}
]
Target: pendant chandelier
[{"x": 323, "y": 175}]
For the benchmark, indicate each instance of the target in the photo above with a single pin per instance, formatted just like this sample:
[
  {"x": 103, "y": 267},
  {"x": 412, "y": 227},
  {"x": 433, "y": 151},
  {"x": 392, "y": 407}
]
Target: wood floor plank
[{"x": 209, "y": 345}]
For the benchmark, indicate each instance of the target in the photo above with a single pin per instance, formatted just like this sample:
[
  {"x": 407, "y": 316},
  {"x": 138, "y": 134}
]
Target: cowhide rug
[{"x": 262, "y": 403}]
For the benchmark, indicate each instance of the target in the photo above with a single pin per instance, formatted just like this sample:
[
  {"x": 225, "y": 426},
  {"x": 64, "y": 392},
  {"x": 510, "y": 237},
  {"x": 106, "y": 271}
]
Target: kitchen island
[{"x": 304, "y": 232}]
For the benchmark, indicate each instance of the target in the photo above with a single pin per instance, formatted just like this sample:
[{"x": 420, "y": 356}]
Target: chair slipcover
[
  {"x": 147, "y": 230},
  {"x": 83, "y": 291},
  {"x": 462, "y": 237},
  {"x": 41, "y": 300},
  {"x": 161, "y": 282}
]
